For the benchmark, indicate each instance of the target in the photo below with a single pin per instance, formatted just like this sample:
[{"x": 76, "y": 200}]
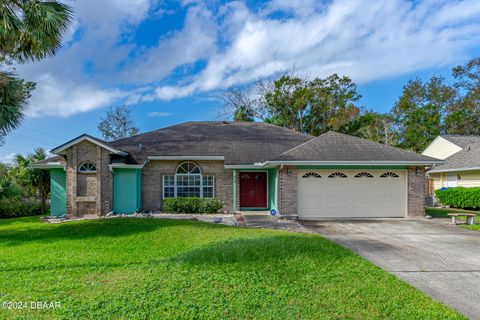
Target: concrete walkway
[
  {"x": 440, "y": 259},
  {"x": 260, "y": 219}
]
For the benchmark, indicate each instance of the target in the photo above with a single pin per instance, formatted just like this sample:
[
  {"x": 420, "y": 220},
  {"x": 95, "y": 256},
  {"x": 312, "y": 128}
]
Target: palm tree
[
  {"x": 29, "y": 30},
  {"x": 34, "y": 181}
]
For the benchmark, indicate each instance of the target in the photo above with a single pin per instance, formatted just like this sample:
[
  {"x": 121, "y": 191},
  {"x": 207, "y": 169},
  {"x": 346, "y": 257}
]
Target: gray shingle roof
[
  {"x": 462, "y": 141},
  {"x": 467, "y": 158},
  {"x": 238, "y": 142},
  {"x": 333, "y": 146},
  {"x": 247, "y": 143}
]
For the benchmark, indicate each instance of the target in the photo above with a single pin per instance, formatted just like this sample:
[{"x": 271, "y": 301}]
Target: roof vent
[{"x": 140, "y": 147}]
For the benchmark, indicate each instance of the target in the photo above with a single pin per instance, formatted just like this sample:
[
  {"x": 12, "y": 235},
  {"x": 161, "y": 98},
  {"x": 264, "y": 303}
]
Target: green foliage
[
  {"x": 29, "y": 30},
  {"x": 14, "y": 94},
  {"x": 117, "y": 124},
  {"x": 32, "y": 29},
  {"x": 459, "y": 197},
  {"x": 243, "y": 113},
  {"x": 192, "y": 205},
  {"x": 34, "y": 182},
  {"x": 311, "y": 106},
  {"x": 11, "y": 208},
  {"x": 7, "y": 188},
  {"x": 420, "y": 111},
  {"x": 159, "y": 269}
]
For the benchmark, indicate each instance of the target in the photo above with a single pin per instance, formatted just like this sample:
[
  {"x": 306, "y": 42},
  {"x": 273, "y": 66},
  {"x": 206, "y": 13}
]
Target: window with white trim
[
  {"x": 87, "y": 167},
  {"x": 188, "y": 182}
]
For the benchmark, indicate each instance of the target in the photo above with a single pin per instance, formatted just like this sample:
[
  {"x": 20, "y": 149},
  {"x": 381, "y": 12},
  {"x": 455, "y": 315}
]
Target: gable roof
[
  {"x": 61, "y": 148},
  {"x": 462, "y": 141},
  {"x": 240, "y": 143},
  {"x": 248, "y": 144},
  {"x": 338, "y": 147},
  {"x": 466, "y": 159}
]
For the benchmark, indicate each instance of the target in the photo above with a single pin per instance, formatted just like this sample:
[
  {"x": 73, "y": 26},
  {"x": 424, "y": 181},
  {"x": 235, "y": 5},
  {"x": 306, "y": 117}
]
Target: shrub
[
  {"x": 12, "y": 208},
  {"x": 459, "y": 197},
  {"x": 192, "y": 205}
]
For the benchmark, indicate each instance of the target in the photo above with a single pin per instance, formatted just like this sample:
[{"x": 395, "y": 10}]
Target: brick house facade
[{"x": 275, "y": 168}]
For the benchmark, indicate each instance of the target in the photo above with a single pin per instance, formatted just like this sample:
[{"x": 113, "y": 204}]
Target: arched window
[
  {"x": 363, "y": 175},
  {"x": 87, "y": 167},
  {"x": 311, "y": 175},
  {"x": 389, "y": 175},
  {"x": 337, "y": 175},
  {"x": 188, "y": 182},
  {"x": 188, "y": 168}
]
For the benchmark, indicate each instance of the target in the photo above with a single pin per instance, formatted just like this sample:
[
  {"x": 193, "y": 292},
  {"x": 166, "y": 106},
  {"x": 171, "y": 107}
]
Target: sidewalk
[{"x": 260, "y": 219}]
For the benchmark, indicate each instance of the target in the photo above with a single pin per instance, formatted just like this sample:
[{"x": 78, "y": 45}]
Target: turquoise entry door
[
  {"x": 126, "y": 194},
  {"x": 58, "y": 195}
]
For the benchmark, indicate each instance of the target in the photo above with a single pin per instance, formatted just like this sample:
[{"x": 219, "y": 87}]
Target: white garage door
[{"x": 351, "y": 193}]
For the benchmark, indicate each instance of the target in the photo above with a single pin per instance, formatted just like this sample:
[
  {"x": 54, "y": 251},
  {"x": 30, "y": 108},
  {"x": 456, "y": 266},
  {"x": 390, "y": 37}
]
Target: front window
[
  {"x": 188, "y": 182},
  {"x": 87, "y": 167}
]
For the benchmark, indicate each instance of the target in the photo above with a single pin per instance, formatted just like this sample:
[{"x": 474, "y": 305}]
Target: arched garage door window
[{"x": 188, "y": 182}]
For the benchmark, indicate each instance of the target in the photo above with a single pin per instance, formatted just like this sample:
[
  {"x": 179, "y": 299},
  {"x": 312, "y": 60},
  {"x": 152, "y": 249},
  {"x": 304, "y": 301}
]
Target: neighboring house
[
  {"x": 462, "y": 161},
  {"x": 249, "y": 166}
]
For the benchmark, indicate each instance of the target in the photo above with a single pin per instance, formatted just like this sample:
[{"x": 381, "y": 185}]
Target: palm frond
[{"x": 14, "y": 94}]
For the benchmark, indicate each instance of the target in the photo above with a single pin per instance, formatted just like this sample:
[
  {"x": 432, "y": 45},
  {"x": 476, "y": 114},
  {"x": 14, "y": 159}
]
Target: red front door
[{"x": 253, "y": 189}]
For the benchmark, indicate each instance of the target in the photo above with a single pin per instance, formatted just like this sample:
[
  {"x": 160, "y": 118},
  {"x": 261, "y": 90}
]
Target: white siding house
[{"x": 462, "y": 161}]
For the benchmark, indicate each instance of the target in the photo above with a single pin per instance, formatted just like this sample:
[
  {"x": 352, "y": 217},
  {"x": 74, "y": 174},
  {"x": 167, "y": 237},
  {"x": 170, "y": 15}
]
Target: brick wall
[
  {"x": 83, "y": 196},
  {"x": 416, "y": 191},
  {"x": 287, "y": 190},
  {"x": 153, "y": 172}
]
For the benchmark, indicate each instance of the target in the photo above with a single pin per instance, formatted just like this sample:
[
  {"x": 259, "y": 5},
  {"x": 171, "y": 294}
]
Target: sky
[{"x": 169, "y": 60}]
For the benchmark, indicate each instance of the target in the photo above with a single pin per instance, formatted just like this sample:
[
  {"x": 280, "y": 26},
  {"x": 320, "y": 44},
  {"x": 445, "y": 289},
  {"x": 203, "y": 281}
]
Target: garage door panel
[{"x": 367, "y": 195}]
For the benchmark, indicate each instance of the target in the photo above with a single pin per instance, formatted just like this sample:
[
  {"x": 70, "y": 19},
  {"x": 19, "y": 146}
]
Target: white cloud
[
  {"x": 65, "y": 86},
  {"x": 196, "y": 41},
  {"x": 64, "y": 98},
  {"x": 7, "y": 158},
  {"x": 367, "y": 40},
  {"x": 220, "y": 46},
  {"x": 159, "y": 114}
]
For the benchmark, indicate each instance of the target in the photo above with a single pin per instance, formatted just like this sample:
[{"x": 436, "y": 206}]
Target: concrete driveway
[{"x": 440, "y": 259}]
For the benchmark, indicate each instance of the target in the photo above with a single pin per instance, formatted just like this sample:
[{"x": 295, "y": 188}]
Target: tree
[
  {"x": 296, "y": 102},
  {"x": 8, "y": 188},
  {"x": 14, "y": 93},
  {"x": 239, "y": 103},
  {"x": 287, "y": 103},
  {"x": 464, "y": 116},
  {"x": 117, "y": 124},
  {"x": 373, "y": 126},
  {"x": 33, "y": 181},
  {"x": 30, "y": 30},
  {"x": 421, "y": 110},
  {"x": 333, "y": 104}
]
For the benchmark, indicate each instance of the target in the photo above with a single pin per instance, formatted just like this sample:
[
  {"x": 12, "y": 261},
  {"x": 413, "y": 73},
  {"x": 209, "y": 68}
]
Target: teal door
[
  {"x": 58, "y": 195},
  {"x": 126, "y": 195}
]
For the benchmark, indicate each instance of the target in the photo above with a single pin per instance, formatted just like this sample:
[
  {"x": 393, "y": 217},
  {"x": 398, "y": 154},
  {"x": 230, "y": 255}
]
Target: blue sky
[{"x": 169, "y": 59}]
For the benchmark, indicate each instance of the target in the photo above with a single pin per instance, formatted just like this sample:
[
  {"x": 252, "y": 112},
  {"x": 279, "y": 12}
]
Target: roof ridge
[
  {"x": 378, "y": 144},
  {"x": 257, "y": 123},
  {"x": 304, "y": 143}
]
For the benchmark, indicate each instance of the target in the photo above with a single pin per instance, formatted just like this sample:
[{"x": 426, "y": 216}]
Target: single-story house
[
  {"x": 461, "y": 167},
  {"x": 248, "y": 166}
]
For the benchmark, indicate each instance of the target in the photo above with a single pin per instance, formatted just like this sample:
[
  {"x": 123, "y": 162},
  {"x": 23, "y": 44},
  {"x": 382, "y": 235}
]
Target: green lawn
[
  {"x": 151, "y": 268},
  {"x": 442, "y": 213}
]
